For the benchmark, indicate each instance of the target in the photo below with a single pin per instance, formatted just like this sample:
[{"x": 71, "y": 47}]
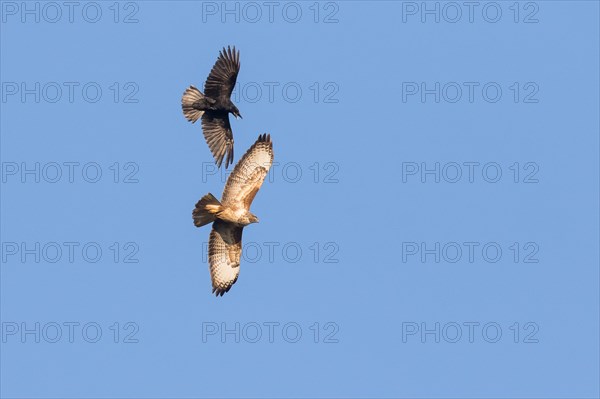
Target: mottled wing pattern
[
  {"x": 218, "y": 135},
  {"x": 222, "y": 77},
  {"x": 224, "y": 252},
  {"x": 249, "y": 173}
]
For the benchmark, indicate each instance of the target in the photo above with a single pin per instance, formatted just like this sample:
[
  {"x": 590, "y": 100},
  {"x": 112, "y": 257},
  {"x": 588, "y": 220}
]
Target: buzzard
[
  {"x": 232, "y": 214},
  {"x": 215, "y": 105}
]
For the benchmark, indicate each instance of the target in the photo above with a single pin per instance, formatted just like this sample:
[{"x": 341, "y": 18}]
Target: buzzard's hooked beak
[{"x": 255, "y": 219}]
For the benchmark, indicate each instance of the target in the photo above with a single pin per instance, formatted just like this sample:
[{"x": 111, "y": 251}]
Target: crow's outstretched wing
[
  {"x": 249, "y": 173},
  {"x": 224, "y": 252},
  {"x": 222, "y": 77},
  {"x": 218, "y": 135}
]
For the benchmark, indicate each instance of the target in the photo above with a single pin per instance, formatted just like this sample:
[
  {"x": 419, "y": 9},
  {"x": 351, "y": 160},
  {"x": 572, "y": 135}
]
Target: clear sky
[{"x": 430, "y": 228}]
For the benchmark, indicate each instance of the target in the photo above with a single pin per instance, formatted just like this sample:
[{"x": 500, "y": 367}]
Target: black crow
[{"x": 215, "y": 105}]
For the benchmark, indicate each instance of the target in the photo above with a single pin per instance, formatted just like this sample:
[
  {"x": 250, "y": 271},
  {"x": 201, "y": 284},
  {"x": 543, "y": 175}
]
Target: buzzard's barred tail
[
  {"x": 191, "y": 96},
  {"x": 206, "y": 210}
]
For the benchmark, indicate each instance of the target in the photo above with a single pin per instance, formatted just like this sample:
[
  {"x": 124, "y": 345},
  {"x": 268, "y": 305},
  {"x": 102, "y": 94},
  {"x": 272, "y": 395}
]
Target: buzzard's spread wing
[
  {"x": 249, "y": 173},
  {"x": 222, "y": 77},
  {"x": 224, "y": 252},
  {"x": 218, "y": 135}
]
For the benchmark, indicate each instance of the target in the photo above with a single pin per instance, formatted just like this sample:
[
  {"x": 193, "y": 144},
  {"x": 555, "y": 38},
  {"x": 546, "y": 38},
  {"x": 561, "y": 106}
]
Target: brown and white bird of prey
[
  {"x": 232, "y": 214},
  {"x": 214, "y": 105}
]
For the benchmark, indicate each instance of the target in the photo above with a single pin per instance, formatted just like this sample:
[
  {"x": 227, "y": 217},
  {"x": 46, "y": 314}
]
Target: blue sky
[{"x": 429, "y": 229}]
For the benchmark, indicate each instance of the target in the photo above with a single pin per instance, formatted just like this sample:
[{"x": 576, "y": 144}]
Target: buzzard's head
[
  {"x": 246, "y": 219},
  {"x": 252, "y": 218}
]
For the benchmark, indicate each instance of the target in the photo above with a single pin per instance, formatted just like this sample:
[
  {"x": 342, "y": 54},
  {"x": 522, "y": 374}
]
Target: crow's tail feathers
[
  {"x": 191, "y": 96},
  {"x": 206, "y": 210}
]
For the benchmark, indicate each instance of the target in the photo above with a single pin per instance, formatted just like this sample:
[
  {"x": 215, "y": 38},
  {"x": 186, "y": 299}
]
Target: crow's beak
[{"x": 240, "y": 115}]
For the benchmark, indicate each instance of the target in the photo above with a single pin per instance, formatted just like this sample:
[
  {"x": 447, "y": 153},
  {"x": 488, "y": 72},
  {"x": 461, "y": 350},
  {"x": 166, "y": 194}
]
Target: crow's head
[{"x": 236, "y": 112}]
